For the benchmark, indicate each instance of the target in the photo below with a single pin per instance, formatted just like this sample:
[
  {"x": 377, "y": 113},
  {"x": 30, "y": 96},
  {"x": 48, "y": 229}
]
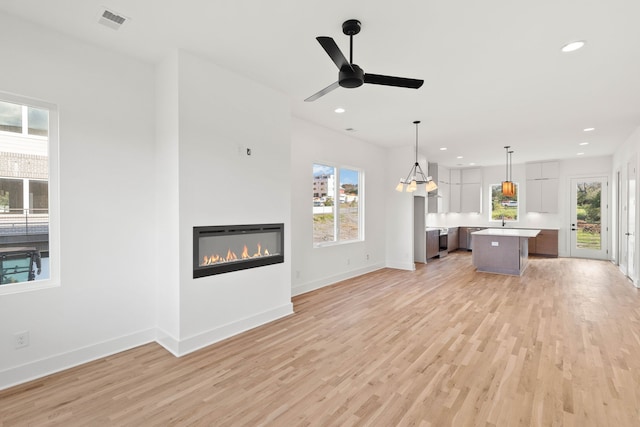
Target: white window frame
[
  {"x": 336, "y": 192},
  {"x": 54, "y": 198}
]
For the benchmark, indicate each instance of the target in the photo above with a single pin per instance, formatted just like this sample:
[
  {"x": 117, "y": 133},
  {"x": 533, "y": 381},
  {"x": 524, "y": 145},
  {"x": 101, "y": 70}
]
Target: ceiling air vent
[{"x": 112, "y": 19}]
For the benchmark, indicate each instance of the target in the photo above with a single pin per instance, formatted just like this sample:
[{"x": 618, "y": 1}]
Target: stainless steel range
[{"x": 444, "y": 242}]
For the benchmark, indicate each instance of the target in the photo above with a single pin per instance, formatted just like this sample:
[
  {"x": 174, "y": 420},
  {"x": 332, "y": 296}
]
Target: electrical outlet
[
  {"x": 367, "y": 257},
  {"x": 21, "y": 339}
]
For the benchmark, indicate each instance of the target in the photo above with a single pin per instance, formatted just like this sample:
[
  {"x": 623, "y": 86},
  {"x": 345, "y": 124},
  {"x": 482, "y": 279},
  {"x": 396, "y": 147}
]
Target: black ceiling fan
[{"x": 350, "y": 75}]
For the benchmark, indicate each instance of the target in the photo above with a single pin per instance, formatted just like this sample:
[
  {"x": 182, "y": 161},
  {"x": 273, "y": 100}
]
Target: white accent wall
[{"x": 221, "y": 114}]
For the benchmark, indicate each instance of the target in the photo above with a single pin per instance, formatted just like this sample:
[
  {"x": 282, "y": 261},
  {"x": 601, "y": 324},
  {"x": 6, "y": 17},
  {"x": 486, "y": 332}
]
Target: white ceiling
[{"x": 494, "y": 74}]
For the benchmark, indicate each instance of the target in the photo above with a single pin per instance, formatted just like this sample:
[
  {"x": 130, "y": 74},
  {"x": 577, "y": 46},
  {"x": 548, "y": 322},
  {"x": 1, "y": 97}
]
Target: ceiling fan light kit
[
  {"x": 351, "y": 75},
  {"x": 416, "y": 176}
]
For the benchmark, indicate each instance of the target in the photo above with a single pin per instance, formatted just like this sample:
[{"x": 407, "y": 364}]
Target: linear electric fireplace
[{"x": 222, "y": 249}]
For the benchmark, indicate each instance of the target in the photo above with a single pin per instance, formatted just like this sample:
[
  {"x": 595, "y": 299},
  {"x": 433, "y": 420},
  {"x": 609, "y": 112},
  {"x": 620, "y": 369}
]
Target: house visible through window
[
  {"x": 24, "y": 192},
  {"x": 337, "y": 204},
  {"x": 503, "y": 208}
]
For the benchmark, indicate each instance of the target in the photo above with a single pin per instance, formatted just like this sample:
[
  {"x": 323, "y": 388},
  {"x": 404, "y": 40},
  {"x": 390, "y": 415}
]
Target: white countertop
[{"x": 508, "y": 232}]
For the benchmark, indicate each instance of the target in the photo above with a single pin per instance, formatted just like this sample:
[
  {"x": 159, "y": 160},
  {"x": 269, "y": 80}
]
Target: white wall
[
  {"x": 221, "y": 185},
  {"x": 316, "y": 267},
  {"x": 628, "y": 153},
  {"x": 590, "y": 166},
  {"x": 399, "y": 209},
  {"x": 105, "y": 299},
  {"x": 167, "y": 205}
]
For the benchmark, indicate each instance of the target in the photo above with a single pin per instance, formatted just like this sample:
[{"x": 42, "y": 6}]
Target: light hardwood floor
[{"x": 440, "y": 346}]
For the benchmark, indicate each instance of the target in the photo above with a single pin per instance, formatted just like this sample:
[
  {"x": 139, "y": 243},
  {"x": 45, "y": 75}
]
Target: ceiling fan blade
[
  {"x": 323, "y": 92},
  {"x": 334, "y": 52},
  {"x": 377, "y": 79}
]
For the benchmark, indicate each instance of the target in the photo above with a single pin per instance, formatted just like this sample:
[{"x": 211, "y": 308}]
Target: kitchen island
[{"x": 501, "y": 250}]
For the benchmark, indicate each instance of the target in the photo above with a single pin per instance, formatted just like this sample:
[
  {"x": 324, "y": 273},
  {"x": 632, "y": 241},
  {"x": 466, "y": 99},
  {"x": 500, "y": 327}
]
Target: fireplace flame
[{"x": 231, "y": 256}]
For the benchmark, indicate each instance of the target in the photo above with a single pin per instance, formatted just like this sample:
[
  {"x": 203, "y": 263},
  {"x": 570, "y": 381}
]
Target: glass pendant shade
[
  {"x": 508, "y": 189},
  {"x": 416, "y": 174}
]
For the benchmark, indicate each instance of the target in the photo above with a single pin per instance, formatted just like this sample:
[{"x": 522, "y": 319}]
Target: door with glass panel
[{"x": 589, "y": 217}]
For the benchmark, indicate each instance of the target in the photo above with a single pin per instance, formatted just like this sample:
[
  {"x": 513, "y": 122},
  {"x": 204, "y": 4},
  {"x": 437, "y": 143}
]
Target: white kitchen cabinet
[
  {"x": 455, "y": 176},
  {"x": 444, "y": 196},
  {"x": 542, "y": 170},
  {"x": 471, "y": 176},
  {"x": 542, "y": 187},
  {"x": 454, "y": 197},
  {"x": 470, "y": 197},
  {"x": 438, "y": 201},
  {"x": 465, "y": 189},
  {"x": 471, "y": 190}
]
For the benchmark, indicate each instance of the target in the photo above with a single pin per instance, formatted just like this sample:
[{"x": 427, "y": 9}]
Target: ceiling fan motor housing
[{"x": 351, "y": 79}]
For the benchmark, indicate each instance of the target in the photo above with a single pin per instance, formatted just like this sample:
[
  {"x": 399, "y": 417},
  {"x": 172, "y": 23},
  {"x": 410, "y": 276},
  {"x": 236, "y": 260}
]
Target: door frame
[
  {"x": 603, "y": 252},
  {"x": 631, "y": 268}
]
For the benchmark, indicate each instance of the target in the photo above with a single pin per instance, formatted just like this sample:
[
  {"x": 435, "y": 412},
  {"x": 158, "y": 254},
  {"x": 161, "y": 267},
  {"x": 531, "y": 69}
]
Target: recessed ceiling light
[
  {"x": 584, "y": 143},
  {"x": 588, "y": 129},
  {"x": 339, "y": 110},
  {"x": 472, "y": 164},
  {"x": 459, "y": 157},
  {"x": 580, "y": 154},
  {"x": 443, "y": 148},
  {"x": 573, "y": 46}
]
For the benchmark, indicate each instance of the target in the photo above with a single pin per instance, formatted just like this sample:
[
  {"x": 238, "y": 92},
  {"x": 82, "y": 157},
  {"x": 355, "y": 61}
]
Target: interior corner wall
[
  {"x": 167, "y": 203},
  {"x": 105, "y": 300},
  {"x": 399, "y": 211},
  {"x": 315, "y": 267},
  {"x": 221, "y": 115}
]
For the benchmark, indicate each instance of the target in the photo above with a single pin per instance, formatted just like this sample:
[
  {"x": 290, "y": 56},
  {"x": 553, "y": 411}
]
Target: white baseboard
[
  {"x": 40, "y": 368},
  {"x": 204, "y": 339},
  {"x": 401, "y": 265},
  {"x": 317, "y": 284}
]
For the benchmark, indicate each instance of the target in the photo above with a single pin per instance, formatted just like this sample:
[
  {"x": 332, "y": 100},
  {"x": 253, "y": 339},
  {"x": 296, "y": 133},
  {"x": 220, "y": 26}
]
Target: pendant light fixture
[
  {"x": 508, "y": 188},
  {"x": 416, "y": 176}
]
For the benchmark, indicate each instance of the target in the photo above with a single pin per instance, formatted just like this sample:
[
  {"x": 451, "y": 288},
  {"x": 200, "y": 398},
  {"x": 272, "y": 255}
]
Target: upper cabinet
[
  {"x": 455, "y": 181},
  {"x": 438, "y": 200},
  {"x": 543, "y": 170},
  {"x": 471, "y": 190},
  {"x": 459, "y": 190},
  {"x": 542, "y": 187}
]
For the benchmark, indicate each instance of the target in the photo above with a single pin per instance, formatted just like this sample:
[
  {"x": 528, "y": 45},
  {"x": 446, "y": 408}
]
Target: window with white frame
[
  {"x": 337, "y": 204},
  {"x": 28, "y": 235},
  {"x": 503, "y": 208}
]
